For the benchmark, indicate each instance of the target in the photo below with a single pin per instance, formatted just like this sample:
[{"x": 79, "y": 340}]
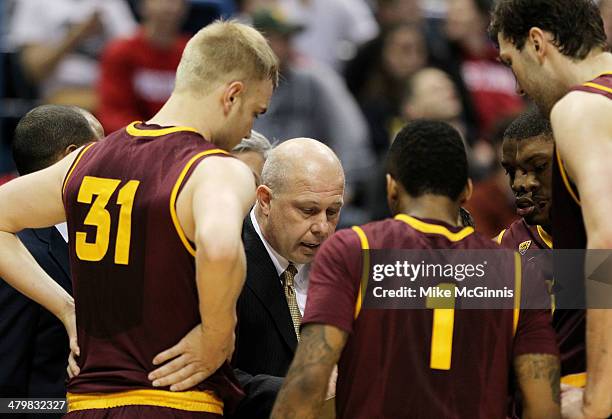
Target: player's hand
[
  {"x": 331, "y": 387},
  {"x": 197, "y": 356},
  {"x": 571, "y": 402},
  {"x": 68, "y": 318}
]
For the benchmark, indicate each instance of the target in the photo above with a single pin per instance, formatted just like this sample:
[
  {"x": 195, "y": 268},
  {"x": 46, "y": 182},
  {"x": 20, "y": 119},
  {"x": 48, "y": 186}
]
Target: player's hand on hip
[
  {"x": 197, "y": 356},
  {"x": 68, "y": 318}
]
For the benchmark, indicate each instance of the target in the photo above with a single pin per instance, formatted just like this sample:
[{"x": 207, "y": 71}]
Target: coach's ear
[
  {"x": 264, "y": 196},
  {"x": 466, "y": 194}
]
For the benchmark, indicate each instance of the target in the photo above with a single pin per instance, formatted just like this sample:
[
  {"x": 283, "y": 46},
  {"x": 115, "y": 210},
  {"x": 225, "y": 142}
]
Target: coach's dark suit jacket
[
  {"x": 265, "y": 339},
  {"x": 33, "y": 343}
]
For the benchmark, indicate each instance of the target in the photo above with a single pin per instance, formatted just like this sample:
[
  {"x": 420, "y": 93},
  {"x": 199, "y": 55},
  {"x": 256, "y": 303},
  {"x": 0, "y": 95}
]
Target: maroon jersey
[
  {"x": 384, "y": 370},
  {"x": 522, "y": 237},
  {"x": 133, "y": 269}
]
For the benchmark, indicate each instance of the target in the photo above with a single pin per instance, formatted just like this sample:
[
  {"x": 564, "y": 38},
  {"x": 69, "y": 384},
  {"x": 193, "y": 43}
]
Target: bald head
[
  {"x": 300, "y": 198},
  {"x": 300, "y": 159}
]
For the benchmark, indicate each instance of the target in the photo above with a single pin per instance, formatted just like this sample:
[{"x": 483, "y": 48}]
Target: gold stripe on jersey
[
  {"x": 500, "y": 236},
  {"x": 137, "y": 132},
  {"x": 598, "y": 87},
  {"x": 192, "y": 401},
  {"x": 566, "y": 181},
  {"x": 73, "y": 166},
  {"x": 546, "y": 238},
  {"x": 576, "y": 380},
  {"x": 365, "y": 247},
  {"x": 174, "y": 194},
  {"x": 517, "y": 291},
  {"x": 424, "y": 227}
]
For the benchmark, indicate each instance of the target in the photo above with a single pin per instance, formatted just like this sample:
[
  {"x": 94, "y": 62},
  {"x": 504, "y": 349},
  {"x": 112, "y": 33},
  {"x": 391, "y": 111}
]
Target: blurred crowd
[{"x": 353, "y": 72}]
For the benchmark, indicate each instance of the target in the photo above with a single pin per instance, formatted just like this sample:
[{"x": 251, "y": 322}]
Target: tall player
[
  {"x": 388, "y": 366},
  {"x": 557, "y": 49},
  {"x": 154, "y": 218}
]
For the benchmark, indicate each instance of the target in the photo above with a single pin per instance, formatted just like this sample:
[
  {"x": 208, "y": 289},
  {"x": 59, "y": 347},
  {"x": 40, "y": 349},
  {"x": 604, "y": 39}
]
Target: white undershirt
[{"x": 281, "y": 264}]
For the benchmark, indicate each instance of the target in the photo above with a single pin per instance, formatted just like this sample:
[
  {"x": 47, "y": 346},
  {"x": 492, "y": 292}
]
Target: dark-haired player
[
  {"x": 527, "y": 152},
  {"x": 558, "y": 52},
  {"x": 388, "y": 366},
  {"x": 528, "y": 148}
]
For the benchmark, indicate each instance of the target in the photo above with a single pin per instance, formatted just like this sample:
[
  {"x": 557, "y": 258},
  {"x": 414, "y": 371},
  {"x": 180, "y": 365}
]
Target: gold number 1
[
  {"x": 99, "y": 217},
  {"x": 442, "y": 329}
]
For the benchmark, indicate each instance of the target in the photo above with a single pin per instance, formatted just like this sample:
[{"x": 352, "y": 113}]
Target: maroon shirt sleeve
[
  {"x": 334, "y": 282},
  {"x": 535, "y": 334}
]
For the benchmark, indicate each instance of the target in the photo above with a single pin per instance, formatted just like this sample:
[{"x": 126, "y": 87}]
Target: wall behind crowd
[{"x": 375, "y": 64}]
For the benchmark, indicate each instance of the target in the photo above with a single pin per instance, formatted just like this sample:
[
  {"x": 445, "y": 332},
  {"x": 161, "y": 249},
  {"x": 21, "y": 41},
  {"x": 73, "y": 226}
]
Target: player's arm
[
  {"x": 222, "y": 190},
  {"x": 305, "y": 387},
  {"x": 583, "y": 134},
  {"x": 34, "y": 201},
  {"x": 538, "y": 376}
]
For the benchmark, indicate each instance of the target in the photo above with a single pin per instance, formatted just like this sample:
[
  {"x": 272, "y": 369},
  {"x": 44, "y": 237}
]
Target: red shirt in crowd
[{"x": 136, "y": 79}]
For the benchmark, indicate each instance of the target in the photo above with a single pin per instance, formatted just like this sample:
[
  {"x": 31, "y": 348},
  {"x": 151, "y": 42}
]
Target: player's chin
[{"x": 537, "y": 218}]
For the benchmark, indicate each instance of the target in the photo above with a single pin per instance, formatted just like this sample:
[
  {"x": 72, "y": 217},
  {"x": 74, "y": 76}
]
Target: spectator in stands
[
  {"x": 253, "y": 151},
  {"x": 334, "y": 29},
  {"x": 606, "y": 13},
  {"x": 60, "y": 43},
  {"x": 473, "y": 62},
  {"x": 492, "y": 202},
  {"x": 431, "y": 94},
  {"x": 137, "y": 73},
  {"x": 312, "y": 101},
  {"x": 378, "y": 76}
]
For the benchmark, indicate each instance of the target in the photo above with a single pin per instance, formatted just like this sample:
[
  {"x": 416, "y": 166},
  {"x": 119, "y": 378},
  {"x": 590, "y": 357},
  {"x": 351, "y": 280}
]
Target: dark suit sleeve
[
  {"x": 18, "y": 319},
  {"x": 261, "y": 391}
]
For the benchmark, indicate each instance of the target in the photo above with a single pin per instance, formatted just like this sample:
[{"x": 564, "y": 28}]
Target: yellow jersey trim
[
  {"x": 365, "y": 247},
  {"x": 598, "y": 87},
  {"x": 546, "y": 238},
  {"x": 73, "y": 166},
  {"x": 174, "y": 194},
  {"x": 424, "y": 227},
  {"x": 193, "y": 401},
  {"x": 517, "y": 292},
  {"x": 576, "y": 380},
  {"x": 565, "y": 178},
  {"x": 500, "y": 236},
  {"x": 137, "y": 132}
]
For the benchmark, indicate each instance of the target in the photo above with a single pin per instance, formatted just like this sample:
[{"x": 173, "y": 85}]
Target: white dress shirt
[
  {"x": 63, "y": 230},
  {"x": 281, "y": 264}
]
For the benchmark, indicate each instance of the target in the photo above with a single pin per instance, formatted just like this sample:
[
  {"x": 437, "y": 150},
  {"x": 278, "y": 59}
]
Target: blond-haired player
[{"x": 154, "y": 218}]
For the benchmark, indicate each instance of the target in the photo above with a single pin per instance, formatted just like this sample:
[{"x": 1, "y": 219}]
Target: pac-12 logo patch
[{"x": 524, "y": 246}]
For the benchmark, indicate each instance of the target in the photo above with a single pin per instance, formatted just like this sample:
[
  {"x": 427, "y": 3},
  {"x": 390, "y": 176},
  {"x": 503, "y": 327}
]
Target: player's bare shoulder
[
  {"x": 213, "y": 179},
  {"x": 581, "y": 110}
]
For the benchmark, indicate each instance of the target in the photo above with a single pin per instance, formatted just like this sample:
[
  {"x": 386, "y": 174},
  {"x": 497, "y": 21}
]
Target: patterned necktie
[{"x": 288, "y": 284}]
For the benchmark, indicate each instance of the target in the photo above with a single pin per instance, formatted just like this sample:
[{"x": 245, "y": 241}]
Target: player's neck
[
  {"x": 594, "y": 65},
  {"x": 433, "y": 207},
  {"x": 173, "y": 114}
]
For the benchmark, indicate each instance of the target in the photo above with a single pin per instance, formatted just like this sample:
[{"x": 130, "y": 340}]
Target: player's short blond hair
[{"x": 224, "y": 51}]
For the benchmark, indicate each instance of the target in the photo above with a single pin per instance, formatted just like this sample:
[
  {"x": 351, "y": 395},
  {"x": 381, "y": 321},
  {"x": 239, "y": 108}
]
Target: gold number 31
[{"x": 99, "y": 217}]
